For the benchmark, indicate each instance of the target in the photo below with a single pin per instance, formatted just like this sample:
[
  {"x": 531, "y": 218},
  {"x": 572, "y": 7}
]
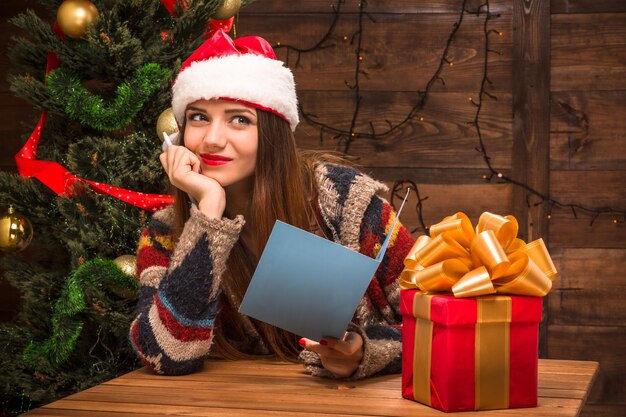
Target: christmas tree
[{"x": 89, "y": 178}]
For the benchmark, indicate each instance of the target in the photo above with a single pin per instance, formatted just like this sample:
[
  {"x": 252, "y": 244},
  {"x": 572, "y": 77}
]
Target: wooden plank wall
[
  {"x": 588, "y": 166},
  {"x": 402, "y": 48},
  {"x": 401, "y": 52}
]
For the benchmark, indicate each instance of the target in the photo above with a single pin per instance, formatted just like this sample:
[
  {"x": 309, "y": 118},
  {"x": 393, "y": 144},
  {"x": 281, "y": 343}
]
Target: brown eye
[
  {"x": 241, "y": 120},
  {"x": 196, "y": 117}
]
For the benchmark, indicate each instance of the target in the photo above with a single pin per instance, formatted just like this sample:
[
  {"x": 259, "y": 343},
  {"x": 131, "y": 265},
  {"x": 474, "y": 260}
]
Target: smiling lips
[{"x": 214, "y": 160}]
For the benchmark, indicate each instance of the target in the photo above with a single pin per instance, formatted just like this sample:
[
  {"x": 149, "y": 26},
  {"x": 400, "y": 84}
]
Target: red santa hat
[{"x": 244, "y": 70}]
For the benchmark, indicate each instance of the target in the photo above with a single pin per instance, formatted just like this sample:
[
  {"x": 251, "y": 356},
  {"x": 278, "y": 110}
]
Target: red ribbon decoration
[
  {"x": 58, "y": 178},
  {"x": 169, "y": 5},
  {"x": 215, "y": 25}
]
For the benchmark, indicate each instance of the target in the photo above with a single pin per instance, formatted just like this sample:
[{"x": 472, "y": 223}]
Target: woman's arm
[
  {"x": 179, "y": 288},
  {"x": 377, "y": 319},
  {"x": 382, "y": 338}
]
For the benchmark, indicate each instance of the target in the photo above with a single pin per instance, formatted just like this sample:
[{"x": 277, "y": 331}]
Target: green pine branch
[
  {"x": 92, "y": 111},
  {"x": 66, "y": 326}
]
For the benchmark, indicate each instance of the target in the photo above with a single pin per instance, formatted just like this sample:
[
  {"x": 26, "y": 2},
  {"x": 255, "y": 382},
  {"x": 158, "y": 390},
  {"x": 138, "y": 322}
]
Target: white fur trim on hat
[{"x": 249, "y": 77}]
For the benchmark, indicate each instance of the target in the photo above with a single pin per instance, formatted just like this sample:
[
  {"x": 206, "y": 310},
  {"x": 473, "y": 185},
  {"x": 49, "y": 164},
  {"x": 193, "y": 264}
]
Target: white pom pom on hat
[{"x": 244, "y": 70}]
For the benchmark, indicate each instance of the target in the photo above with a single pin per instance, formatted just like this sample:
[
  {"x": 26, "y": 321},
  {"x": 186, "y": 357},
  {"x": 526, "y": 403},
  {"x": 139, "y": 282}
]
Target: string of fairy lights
[
  {"x": 321, "y": 44},
  {"x": 345, "y": 137}
]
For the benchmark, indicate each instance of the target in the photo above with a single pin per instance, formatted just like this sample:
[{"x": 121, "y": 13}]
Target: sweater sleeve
[
  {"x": 179, "y": 288},
  {"x": 377, "y": 318}
]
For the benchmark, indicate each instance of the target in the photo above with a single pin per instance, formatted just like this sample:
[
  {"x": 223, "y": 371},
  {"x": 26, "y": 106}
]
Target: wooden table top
[{"x": 275, "y": 389}]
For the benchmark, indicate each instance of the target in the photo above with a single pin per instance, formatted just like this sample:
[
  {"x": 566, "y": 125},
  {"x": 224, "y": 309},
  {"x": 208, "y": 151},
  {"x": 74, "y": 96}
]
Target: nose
[{"x": 215, "y": 136}]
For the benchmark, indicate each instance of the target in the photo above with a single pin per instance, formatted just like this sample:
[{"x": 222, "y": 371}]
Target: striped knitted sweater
[{"x": 180, "y": 284}]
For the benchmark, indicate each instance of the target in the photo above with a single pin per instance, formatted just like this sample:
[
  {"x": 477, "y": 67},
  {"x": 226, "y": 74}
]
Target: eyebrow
[
  {"x": 227, "y": 111},
  {"x": 195, "y": 109},
  {"x": 241, "y": 110}
]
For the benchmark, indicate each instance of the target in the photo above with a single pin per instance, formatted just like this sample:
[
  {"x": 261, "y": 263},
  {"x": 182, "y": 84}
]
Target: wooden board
[
  {"x": 443, "y": 140},
  {"x": 569, "y": 232},
  {"x": 246, "y": 388},
  {"x": 531, "y": 104},
  {"x": 438, "y": 176},
  {"x": 445, "y": 200},
  {"x": 588, "y": 52},
  {"x": 590, "y": 188},
  {"x": 585, "y": 133},
  {"x": 589, "y": 288},
  {"x": 400, "y": 52},
  {"x": 587, "y": 6},
  {"x": 388, "y": 6}
]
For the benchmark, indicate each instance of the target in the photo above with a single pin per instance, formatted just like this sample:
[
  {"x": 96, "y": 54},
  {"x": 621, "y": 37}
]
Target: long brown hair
[{"x": 284, "y": 189}]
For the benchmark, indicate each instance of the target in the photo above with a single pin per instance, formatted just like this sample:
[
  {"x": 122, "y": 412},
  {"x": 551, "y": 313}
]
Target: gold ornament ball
[
  {"x": 75, "y": 16},
  {"x": 227, "y": 10},
  {"x": 127, "y": 263},
  {"x": 166, "y": 123},
  {"x": 16, "y": 231}
]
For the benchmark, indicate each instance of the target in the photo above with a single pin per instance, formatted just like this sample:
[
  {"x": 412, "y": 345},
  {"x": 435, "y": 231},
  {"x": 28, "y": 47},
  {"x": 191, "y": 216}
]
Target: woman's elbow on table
[{"x": 163, "y": 353}]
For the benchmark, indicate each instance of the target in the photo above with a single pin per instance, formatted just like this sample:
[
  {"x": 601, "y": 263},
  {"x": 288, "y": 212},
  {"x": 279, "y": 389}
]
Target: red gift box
[{"x": 463, "y": 354}]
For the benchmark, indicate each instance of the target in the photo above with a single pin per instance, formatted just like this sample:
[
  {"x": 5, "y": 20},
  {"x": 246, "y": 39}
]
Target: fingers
[
  {"x": 351, "y": 343},
  {"x": 163, "y": 159},
  {"x": 173, "y": 154},
  {"x": 195, "y": 163},
  {"x": 178, "y": 160},
  {"x": 341, "y": 357},
  {"x": 316, "y": 347}
]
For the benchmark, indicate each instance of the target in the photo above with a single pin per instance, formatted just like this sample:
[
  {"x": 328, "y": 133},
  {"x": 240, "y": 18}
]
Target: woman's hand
[
  {"x": 341, "y": 357},
  {"x": 183, "y": 170}
]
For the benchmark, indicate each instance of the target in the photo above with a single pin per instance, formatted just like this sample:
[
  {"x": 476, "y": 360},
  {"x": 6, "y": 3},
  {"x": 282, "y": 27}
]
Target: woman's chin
[{"x": 239, "y": 184}]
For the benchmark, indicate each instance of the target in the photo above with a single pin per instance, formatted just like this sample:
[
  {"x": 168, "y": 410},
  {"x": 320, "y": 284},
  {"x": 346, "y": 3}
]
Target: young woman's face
[{"x": 224, "y": 136}]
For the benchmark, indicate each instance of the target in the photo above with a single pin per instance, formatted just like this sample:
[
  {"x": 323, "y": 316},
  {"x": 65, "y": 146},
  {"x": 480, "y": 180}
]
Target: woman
[{"x": 236, "y": 159}]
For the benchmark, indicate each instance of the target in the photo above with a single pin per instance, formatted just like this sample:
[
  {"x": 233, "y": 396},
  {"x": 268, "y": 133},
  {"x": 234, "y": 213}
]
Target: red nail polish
[
  {"x": 302, "y": 342},
  {"x": 323, "y": 342}
]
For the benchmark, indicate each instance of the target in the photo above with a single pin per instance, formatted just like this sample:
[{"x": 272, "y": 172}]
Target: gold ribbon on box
[{"x": 487, "y": 260}]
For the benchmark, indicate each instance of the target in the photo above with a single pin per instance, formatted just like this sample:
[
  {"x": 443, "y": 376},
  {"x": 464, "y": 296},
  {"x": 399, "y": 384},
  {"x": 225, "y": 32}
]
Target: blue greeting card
[{"x": 309, "y": 285}]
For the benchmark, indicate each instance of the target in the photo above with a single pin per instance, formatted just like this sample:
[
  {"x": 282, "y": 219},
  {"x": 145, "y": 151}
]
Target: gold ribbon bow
[{"x": 472, "y": 263}]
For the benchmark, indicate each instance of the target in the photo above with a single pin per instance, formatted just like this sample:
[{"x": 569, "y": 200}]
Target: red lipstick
[{"x": 214, "y": 160}]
